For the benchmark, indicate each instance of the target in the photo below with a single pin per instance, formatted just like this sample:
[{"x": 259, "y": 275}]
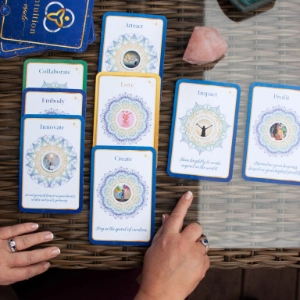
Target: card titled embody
[
  {"x": 122, "y": 195},
  {"x": 51, "y": 164},
  {"x": 53, "y": 102},
  {"x": 203, "y": 132},
  {"x": 132, "y": 43},
  {"x": 127, "y": 109},
  {"x": 272, "y": 147},
  {"x": 57, "y": 74}
]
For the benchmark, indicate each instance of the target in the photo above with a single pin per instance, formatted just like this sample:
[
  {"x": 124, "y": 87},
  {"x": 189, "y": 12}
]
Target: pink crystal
[{"x": 205, "y": 45}]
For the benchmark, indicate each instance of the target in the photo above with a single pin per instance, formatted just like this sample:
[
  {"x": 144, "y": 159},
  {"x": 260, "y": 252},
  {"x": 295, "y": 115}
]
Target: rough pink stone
[{"x": 205, "y": 45}]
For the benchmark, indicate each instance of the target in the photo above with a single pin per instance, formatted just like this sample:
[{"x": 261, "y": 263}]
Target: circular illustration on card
[
  {"x": 131, "y": 52},
  {"x": 277, "y": 131},
  {"x": 51, "y": 161},
  {"x": 52, "y": 111},
  {"x": 123, "y": 193},
  {"x": 203, "y": 128},
  {"x": 126, "y": 119}
]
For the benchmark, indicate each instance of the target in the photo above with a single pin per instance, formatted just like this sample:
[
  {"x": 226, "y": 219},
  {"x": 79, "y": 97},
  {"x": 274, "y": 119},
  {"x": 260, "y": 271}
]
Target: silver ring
[
  {"x": 12, "y": 245},
  {"x": 204, "y": 241}
]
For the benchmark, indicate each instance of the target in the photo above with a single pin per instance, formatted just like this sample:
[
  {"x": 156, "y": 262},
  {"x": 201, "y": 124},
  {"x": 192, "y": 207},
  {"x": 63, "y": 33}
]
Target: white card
[
  {"x": 122, "y": 195},
  {"x": 203, "y": 130},
  {"x": 57, "y": 74},
  {"x": 127, "y": 109},
  {"x": 51, "y": 163},
  {"x": 272, "y": 148},
  {"x": 54, "y": 102}
]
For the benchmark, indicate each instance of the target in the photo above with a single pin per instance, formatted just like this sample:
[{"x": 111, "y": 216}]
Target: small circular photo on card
[
  {"x": 278, "y": 131},
  {"x": 122, "y": 193},
  {"x": 203, "y": 128},
  {"x": 126, "y": 118},
  {"x": 51, "y": 162},
  {"x": 130, "y": 59}
]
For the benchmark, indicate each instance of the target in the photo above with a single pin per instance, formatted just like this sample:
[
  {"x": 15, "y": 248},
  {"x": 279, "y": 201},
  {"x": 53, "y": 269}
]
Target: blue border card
[
  {"x": 272, "y": 142},
  {"x": 122, "y": 210},
  {"x": 51, "y": 164},
  {"x": 53, "y": 102},
  {"x": 146, "y": 35},
  {"x": 204, "y": 127}
]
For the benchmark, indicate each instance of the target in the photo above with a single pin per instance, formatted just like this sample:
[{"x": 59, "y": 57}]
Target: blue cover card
[
  {"x": 203, "y": 131},
  {"x": 51, "y": 164},
  {"x": 63, "y": 25},
  {"x": 272, "y": 142},
  {"x": 53, "y": 102},
  {"x": 132, "y": 43},
  {"x": 122, "y": 195}
]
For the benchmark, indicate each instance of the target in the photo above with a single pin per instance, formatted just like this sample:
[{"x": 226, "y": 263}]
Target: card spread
[
  {"x": 272, "y": 147},
  {"x": 122, "y": 195},
  {"x": 51, "y": 164},
  {"x": 53, "y": 102},
  {"x": 63, "y": 24},
  {"x": 127, "y": 109},
  {"x": 203, "y": 132},
  {"x": 57, "y": 74},
  {"x": 132, "y": 43}
]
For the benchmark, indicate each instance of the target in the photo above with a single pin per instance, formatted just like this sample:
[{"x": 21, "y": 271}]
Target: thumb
[{"x": 160, "y": 231}]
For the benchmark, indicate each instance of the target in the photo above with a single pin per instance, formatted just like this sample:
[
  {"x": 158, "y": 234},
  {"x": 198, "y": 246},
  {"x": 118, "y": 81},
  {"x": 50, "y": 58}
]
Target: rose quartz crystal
[{"x": 205, "y": 45}]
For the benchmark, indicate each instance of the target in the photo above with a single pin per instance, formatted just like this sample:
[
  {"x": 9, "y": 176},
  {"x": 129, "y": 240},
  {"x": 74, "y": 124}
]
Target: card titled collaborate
[
  {"x": 51, "y": 164},
  {"x": 127, "y": 109},
  {"x": 272, "y": 147},
  {"x": 203, "y": 131},
  {"x": 132, "y": 43},
  {"x": 57, "y": 74},
  {"x": 122, "y": 195},
  {"x": 53, "y": 102}
]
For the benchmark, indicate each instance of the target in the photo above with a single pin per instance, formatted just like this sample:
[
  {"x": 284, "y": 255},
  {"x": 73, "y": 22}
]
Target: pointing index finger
[{"x": 175, "y": 221}]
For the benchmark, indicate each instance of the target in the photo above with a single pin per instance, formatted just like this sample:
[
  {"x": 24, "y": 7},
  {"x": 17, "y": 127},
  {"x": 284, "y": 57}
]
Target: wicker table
[{"x": 252, "y": 219}]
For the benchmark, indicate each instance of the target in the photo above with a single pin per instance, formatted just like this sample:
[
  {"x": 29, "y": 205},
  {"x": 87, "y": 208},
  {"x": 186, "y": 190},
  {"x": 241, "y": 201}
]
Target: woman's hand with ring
[{"x": 22, "y": 264}]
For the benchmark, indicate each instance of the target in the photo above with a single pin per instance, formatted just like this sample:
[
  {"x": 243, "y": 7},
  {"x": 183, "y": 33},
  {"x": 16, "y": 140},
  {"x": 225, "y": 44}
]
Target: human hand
[
  {"x": 176, "y": 261},
  {"x": 17, "y": 266}
]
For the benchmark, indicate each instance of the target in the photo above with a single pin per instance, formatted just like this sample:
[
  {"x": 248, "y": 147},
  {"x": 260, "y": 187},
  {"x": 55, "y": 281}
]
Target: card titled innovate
[
  {"x": 132, "y": 43},
  {"x": 122, "y": 195},
  {"x": 127, "y": 109},
  {"x": 62, "y": 25},
  {"x": 272, "y": 147},
  {"x": 56, "y": 74},
  {"x": 51, "y": 164},
  {"x": 53, "y": 102},
  {"x": 203, "y": 133}
]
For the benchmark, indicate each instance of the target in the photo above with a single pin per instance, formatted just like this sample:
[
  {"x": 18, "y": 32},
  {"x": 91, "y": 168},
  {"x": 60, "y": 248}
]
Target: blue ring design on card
[
  {"x": 52, "y": 111},
  {"x": 5, "y": 10},
  {"x": 54, "y": 85},
  {"x": 283, "y": 140},
  {"x": 51, "y": 161},
  {"x": 203, "y": 128},
  {"x": 123, "y": 193},
  {"x": 126, "y": 119},
  {"x": 131, "y": 52}
]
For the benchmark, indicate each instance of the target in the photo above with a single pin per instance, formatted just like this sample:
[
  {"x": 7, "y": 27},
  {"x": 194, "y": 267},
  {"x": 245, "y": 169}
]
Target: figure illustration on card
[
  {"x": 203, "y": 129},
  {"x": 278, "y": 131}
]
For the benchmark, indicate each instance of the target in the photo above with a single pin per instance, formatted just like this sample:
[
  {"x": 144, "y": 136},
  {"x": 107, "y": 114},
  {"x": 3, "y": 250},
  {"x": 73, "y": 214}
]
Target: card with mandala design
[
  {"x": 127, "y": 109},
  {"x": 122, "y": 195},
  {"x": 51, "y": 164},
  {"x": 132, "y": 43},
  {"x": 53, "y": 102},
  {"x": 272, "y": 146},
  {"x": 203, "y": 131},
  {"x": 55, "y": 74}
]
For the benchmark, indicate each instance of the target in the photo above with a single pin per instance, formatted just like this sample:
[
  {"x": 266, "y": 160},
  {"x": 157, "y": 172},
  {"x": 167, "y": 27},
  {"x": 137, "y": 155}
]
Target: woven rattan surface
[{"x": 258, "y": 222}]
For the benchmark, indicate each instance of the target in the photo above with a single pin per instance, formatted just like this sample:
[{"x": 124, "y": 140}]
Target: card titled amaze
[
  {"x": 51, "y": 164},
  {"x": 272, "y": 147},
  {"x": 122, "y": 195},
  {"x": 203, "y": 130}
]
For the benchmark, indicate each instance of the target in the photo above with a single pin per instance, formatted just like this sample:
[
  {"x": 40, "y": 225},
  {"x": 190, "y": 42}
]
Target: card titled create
[
  {"x": 122, "y": 195},
  {"x": 203, "y": 130},
  {"x": 51, "y": 164},
  {"x": 272, "y": 147},
  {"x": 127, "y": 109}
]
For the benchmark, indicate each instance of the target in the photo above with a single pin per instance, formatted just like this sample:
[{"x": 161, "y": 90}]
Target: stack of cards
[
  {"x": 30, "y": 26},
  {"x": 52, "y": 136}
]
